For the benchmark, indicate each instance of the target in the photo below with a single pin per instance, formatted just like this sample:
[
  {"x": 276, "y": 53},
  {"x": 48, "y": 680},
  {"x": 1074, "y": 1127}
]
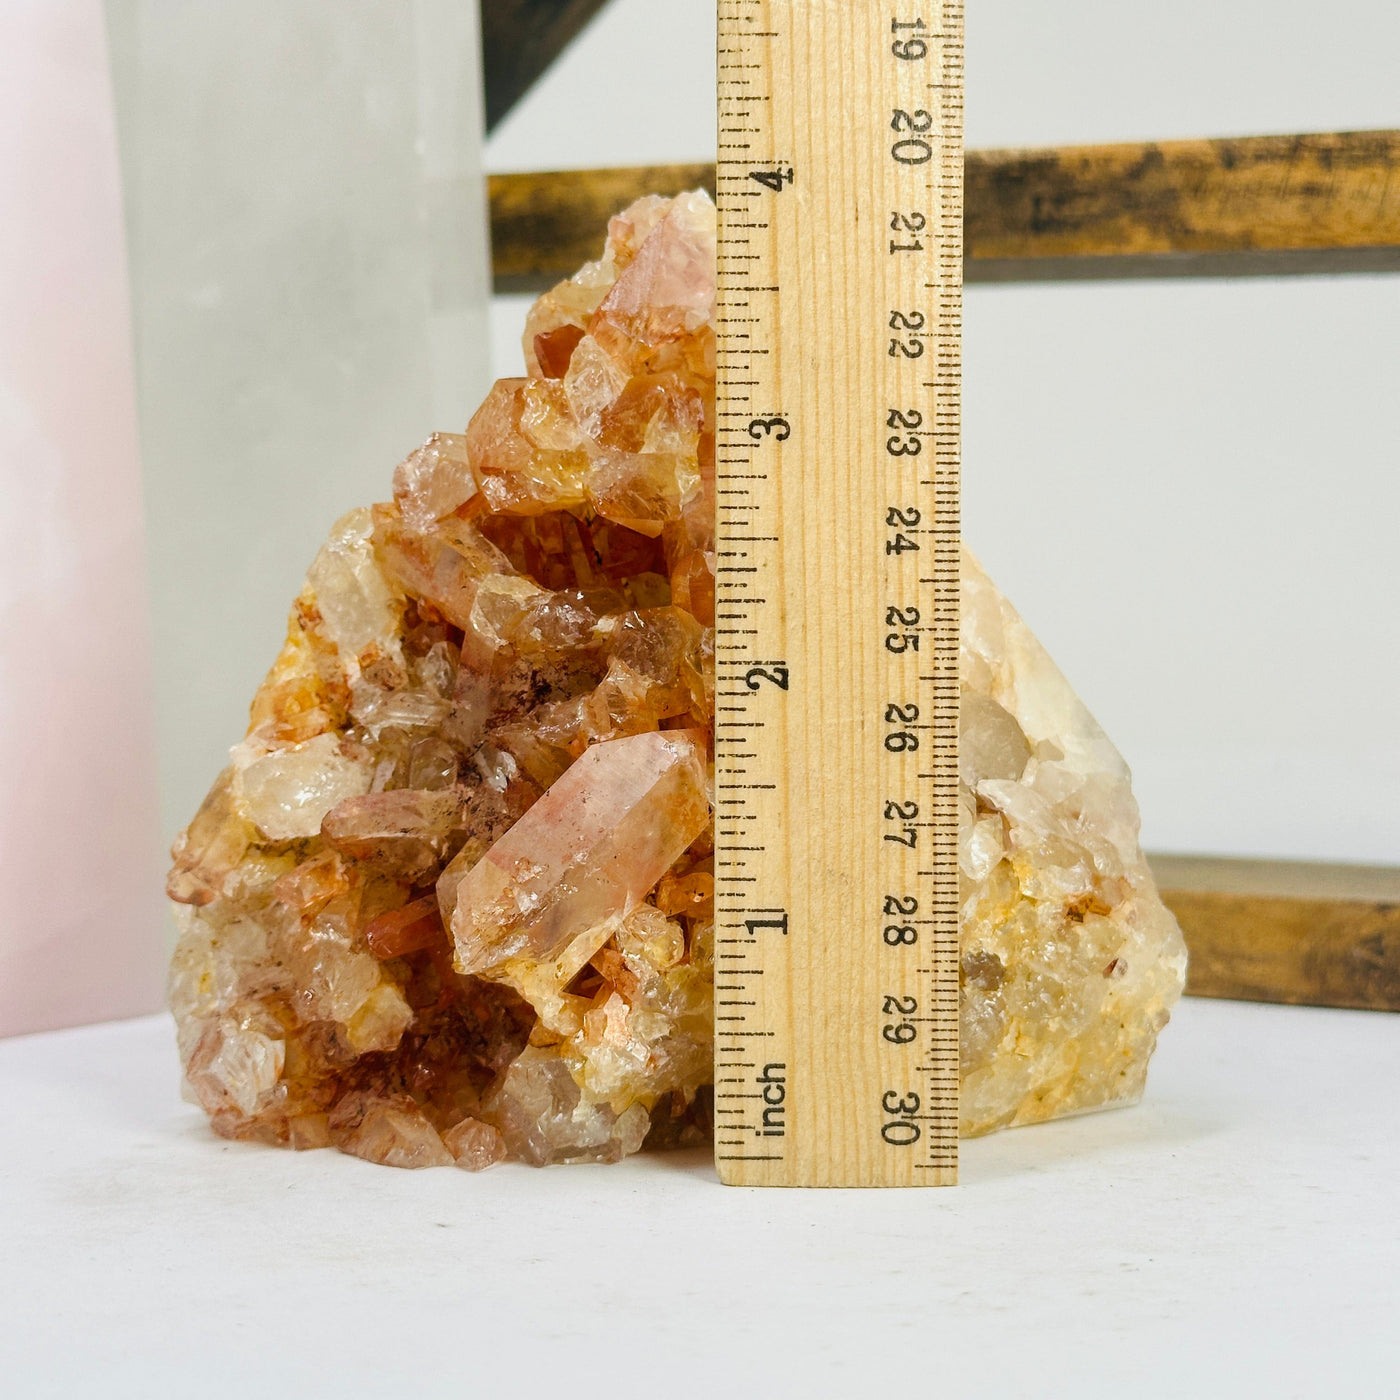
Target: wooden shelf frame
[
  {"x": 1250, "y": 206},
  {"x": 1304, "y": 933},
  {"x": 519, "y": 40}
]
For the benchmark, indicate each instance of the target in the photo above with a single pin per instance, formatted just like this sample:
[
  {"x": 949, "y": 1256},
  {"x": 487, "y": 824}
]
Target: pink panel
[{"x": 80, "y": 920}]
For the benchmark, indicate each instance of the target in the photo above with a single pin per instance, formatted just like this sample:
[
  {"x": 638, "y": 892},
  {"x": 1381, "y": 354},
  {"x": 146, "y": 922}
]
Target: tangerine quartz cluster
[{"x": 452, "y": 899}]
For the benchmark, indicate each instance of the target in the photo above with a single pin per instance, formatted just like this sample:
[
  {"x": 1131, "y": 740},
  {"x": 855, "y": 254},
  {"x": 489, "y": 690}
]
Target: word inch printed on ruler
[{"x": 836, "y": 640}]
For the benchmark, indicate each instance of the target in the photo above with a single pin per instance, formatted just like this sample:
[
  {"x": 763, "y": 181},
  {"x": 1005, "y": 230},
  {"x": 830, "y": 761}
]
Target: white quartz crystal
[{"x": 1071, "y": 963}]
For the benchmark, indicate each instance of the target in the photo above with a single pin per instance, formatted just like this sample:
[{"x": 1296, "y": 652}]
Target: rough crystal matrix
[{"x": 452, "y": 899}]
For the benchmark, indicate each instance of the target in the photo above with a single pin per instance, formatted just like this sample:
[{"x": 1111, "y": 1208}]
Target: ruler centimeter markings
[{"x": 839, "y": 186}]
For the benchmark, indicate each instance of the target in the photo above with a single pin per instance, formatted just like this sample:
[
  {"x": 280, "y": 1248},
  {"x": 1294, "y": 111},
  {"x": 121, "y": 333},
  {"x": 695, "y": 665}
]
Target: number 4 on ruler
[{"x": 774, "y": 179}]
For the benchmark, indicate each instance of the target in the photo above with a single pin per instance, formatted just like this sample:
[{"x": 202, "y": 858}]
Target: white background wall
[{"x": 1190, "y": 489}]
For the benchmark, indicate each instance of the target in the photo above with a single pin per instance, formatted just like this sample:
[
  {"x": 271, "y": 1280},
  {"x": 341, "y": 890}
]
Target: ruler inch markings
[{"x": 840, "y": 197}]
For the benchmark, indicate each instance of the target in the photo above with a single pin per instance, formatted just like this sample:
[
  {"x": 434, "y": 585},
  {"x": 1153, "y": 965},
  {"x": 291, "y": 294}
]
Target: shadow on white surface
[
  {"x": 1146, "y": 1130},
  {"x": 1235, "y": 1234}
]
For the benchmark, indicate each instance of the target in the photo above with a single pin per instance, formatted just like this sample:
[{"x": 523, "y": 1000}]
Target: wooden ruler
[{"x": 839, "y": 186}]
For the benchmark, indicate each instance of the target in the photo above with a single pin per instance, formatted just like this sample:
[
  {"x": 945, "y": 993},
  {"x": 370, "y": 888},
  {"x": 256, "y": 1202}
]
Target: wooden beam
[
  {"x": 1287, "y": 931},
  {"x": 546, "y": 226},
  {"x": 1248, "y": 204},
  {"x": 519, "y": 40},
  {"x": 1257, "y": 205}
]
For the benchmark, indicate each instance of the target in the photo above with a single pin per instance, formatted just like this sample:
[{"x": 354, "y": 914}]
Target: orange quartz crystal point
[
  {"x": 417, "y": 911},
  {"x": 452, "y": 899}
]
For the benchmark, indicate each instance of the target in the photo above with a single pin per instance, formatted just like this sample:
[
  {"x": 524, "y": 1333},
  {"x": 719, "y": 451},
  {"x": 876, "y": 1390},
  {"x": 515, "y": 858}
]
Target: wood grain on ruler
[
  {"x": 1300, "y": 932},
  {"x": 1264, "y": 204},
  {"x": 839, "y": 189}
]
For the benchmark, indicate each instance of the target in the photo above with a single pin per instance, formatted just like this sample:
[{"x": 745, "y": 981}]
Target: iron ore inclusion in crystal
[{"x": 452, "y": 899}]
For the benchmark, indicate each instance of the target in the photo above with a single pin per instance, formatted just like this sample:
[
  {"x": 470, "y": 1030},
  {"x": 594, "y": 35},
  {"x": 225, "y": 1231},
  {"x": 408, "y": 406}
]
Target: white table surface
[{"x": 1236, "y": 1234}]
